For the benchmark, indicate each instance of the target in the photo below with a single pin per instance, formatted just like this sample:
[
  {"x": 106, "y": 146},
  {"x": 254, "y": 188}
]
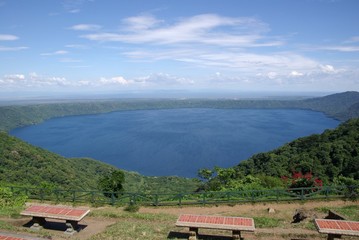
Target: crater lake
[{"x": 174, "y": 141}]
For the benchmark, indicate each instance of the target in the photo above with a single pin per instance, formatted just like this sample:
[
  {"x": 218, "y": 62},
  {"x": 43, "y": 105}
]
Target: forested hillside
[
  {"x": 342, "y": 106},
  {"x": 325, "y": 156},
  {"x": 26, "y": 165}
]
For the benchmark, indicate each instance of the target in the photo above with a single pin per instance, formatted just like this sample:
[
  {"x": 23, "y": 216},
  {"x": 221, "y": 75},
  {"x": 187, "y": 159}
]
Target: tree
[{"x": 112, "y": 183}]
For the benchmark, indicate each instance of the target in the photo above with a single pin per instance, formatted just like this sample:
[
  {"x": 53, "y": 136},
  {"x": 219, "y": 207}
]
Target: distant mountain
[
  {"x": 341, "y": 105},
  {"x": 26, "y": 165}
]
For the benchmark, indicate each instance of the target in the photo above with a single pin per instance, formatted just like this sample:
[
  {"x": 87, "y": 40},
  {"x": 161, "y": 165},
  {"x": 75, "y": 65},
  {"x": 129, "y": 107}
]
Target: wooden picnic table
[
  {"x": 337, "y": 228},
  {"x": 235, "y": 224},
  {"x": 71, "y": 215}
]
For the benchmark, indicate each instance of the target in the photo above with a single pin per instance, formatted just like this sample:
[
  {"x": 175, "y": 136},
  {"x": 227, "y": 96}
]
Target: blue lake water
[{"x": 175, "y": 141}]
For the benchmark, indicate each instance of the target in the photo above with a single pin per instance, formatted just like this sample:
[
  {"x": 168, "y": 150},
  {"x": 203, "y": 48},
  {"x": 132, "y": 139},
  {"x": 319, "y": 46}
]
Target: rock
[
  {"x": 300, "y": 215},
  {"x": 271, "y": 210}
]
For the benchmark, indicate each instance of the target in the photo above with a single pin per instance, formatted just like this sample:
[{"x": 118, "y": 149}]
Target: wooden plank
[
  {"x": 56, "y": 212},
  {"x": 216, "y": 222},
  {"x": 337, "y": 227}
]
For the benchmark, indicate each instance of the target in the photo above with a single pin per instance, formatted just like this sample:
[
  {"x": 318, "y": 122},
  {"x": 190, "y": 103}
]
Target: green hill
[
  {"x": 340, "y": 105},
  {"x": 24, "y": 164},
  {"x": 327, "y": 155}
]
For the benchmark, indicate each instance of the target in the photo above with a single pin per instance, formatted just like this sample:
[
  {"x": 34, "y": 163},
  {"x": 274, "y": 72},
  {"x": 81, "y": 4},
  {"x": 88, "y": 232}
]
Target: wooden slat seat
[
  {"x": 235, "y": 224},
  {"x": 71, "y": 215},
  {"x": 337, "y": 228}
]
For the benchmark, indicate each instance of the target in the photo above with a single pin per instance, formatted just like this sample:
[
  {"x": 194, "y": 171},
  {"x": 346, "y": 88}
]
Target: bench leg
[
  {"x": 72, "y": 226},
  {"x": 38, "y": 223},
  {"x": 237, "y": 235},
  {"x": 193, "y": 232},
  {"x": 333, "y": 236}
]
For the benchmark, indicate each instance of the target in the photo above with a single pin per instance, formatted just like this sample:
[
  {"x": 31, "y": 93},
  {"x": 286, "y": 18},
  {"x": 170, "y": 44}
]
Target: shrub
[{"x": 9, "y": 200}]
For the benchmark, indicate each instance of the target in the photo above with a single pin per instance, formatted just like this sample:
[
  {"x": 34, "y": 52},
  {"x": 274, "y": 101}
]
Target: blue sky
[{"x": 114, "y": 46}]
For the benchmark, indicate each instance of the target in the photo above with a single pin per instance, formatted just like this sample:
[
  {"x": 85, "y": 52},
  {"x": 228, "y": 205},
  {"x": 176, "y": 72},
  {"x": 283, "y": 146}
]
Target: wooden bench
[
  {"x": 235, "y": 224},
  {"x": 337, "y": 228},
  {"x": 71, "y": 215}
]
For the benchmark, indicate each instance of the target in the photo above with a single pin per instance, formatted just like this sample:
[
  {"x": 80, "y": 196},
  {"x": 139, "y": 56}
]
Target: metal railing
[{"x": 194, "y": 198}]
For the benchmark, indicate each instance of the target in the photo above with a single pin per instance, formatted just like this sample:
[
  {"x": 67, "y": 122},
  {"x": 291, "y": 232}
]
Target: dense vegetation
[
  {"x": 342, "y": 106},
  {"x": 332, "y": 157},
  {"x": 23, "y": 164}
]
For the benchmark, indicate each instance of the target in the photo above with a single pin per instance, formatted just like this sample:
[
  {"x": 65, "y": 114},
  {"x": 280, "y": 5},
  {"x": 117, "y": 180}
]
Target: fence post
[
  {"x": 180, "y": 200},
  {"x": 112, "y": 199},
  {"x": 92, "y": 197},
  {"x": 156, "y": 199},
  {"x": 301, "y": 194},
  {"x": 57, "y": 195},
  {"x": 204, "y": 198},
  {"x": 73, "y": 196},
  {"x": 41, "y": 195}
]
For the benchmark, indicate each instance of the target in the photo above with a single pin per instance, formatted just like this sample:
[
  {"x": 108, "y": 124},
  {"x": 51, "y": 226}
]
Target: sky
[{"x": 133, "y": 46}]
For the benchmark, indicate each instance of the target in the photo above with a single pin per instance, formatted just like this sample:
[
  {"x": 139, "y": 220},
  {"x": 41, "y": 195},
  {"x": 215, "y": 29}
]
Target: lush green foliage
[
  {"x": 327, "y": 156},
  {"x": 26, "y": 165},
  {"x": 112, "y": 183},
  {"x": 8, "y": 199},
  {"x": 10, "y": 204}
]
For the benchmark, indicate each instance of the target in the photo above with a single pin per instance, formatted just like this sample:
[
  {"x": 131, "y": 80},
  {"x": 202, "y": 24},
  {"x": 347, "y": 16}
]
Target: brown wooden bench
[
  {"x": 234, "y": 224},
  {"x": 337, "y": 228},
  {"x": 71, "y": 215}
]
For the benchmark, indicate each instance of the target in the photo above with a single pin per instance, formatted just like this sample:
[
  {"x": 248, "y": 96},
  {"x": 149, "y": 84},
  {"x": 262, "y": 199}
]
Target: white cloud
[
  {"x": 69, "y": 60},
  {"x": 272, "y": 75},
  {"x": 296, "y": 74},
  {"x": 164, "y": 79},
  {"x": 9, "y": 49},
  {"x": 12, "y": 78},
  {"x": 201, "y": 29},
  {"x": 341, "y": 48},
  {"x": 86, "y": 27},
  {"x": 142, "y": 22},
  {"x": 119, "y": 80},
  {"x": 353, "y": 39},
  {"x": 328, "y": 69},
  {"x": 8, "y": 37},
  {"x": 33, "y": 80},
  {"x": 74, "y": 6},
  {"x": 76, "y": 46},
  {"x": 59, "y": 52},
  {"x": 242, "y": 62}
]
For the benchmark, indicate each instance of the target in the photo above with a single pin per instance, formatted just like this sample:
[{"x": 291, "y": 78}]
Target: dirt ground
[{"x": 94, "y": 225}]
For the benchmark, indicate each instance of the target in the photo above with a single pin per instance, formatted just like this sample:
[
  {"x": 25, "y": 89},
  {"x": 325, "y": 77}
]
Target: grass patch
[
  {"x": 134, "y": 228},
  {"x": 121, "y": 214},
  {"x": 13, "y": 212},
  {"x": 6, "y": 226},
  {"x": 350, "y": 211},
  {"x": 266, "y": 222}
]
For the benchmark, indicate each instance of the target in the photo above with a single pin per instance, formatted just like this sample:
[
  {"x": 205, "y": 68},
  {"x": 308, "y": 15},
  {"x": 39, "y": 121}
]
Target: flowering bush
[{"x": 300, "y": 180}]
